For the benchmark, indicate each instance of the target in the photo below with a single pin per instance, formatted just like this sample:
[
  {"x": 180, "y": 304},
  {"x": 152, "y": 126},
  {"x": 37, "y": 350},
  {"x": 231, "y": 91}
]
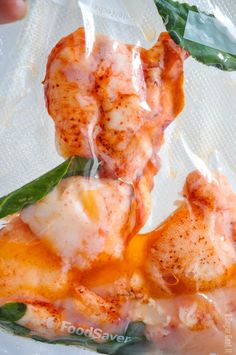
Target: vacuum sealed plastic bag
[{"x": 118, "y": 215}]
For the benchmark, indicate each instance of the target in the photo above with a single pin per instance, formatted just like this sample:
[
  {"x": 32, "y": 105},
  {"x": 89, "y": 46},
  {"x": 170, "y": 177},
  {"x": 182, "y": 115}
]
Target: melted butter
[
  {"x": 135, "y": 259},
  {"x": 89, "y": 202},
  {"x": 28, "y": 268},
  {"x": 103, "y": 275},
  {"x": 133, "y": 263},
  {"x": 135, "y": 251},
  {"x": 111, "y": 271}
]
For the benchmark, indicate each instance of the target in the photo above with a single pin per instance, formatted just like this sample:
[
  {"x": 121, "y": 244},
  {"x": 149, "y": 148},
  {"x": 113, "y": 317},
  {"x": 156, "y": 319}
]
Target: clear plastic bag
[{"x": 166, "y": 263}]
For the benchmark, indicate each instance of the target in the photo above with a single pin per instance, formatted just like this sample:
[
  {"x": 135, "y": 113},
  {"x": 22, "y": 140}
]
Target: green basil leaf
[
  {"x": 133, "y": 344},
  {"x": 116, "y": 348},
  {"x": 17, "y": 329},
  {"x": 73, "y": 339},
  {"x": 135, "y": 340},
  {"x": 135, "y": 329},
  {"x": 140, "y": 347},
  {"x": 109, "y": 348},
  {"x": 39, "y": 338},
  {"x": 104, "y": 348},
  {"x": 175, "y": 16},
  {"x": 12, "y": 312},
  {"x": 39, "y": 188}
]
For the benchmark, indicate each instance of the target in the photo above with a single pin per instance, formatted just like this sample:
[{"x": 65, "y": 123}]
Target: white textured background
[{"x": 202, "y": 137}]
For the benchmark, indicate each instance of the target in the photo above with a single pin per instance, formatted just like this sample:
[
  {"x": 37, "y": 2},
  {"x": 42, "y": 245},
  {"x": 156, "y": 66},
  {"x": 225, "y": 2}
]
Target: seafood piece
[
  {"x": 194, "y": 249},
  {"x": 84, "y": 221},
  {"x": 43, "y": 319},
  {"x": 82, "y": 310},
  {"x": 112, "y": 293},
  {"x": 31, "y": 273},
  {"x": 89, "y": 308},
  {"x": 27, "y": 268},
  {"x": 190, "y": 324},
  {"x": 114, "y": 102}
]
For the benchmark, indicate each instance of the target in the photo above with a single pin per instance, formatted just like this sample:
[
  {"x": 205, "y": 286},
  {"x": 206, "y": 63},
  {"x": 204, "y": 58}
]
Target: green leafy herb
[
  {"x": 139, "y": 347},
  {"x": 72, "y": 339},
  {"x": 135, "y": 329},
  {"x": 39, "y": 188},
  {"x": 12, "y": 312},
  {"x": 17, "y": 329},
  {"x": 135, "y": 342},
  {"x": 9, "y": 314},
  {"x": 175, "y": 16},
  {"x": 112, "y": 347},
  {"x": 134, "y": 345}
]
